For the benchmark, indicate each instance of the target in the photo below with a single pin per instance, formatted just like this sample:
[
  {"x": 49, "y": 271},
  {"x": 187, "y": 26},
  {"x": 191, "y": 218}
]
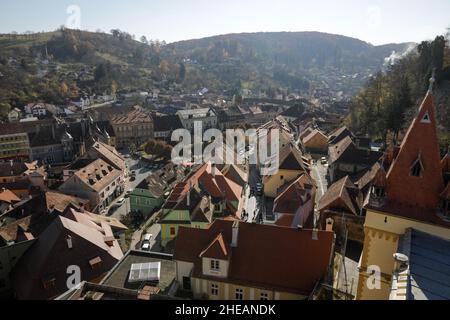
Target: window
[
  {"x": 215, "y": 265},
  {"x": 49, "y": 282},
  {"x": 378, "y": 192},
  {"x": 95, "y": 263},
  {"x": 214, "y": 289},
  {"x": 186, "y": 283},
  {"x": 426, "y": 118},
  {"x": 172, "y": 231},
  {"x": 239, "y": 294},
  {"x": 264, "y": 296},
  {"x": 417, "y": 168}
]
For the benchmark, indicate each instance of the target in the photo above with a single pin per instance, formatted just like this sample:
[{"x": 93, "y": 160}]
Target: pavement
[
  {"x": 253, "y": 203},
  {"x": 319, "y": 172},
  {"x": 155, "y": 242},
  {"x": 141, "y": 173}
]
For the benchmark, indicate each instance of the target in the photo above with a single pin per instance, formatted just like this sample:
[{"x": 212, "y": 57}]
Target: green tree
[
  {"x": 181, "y": 72},
  {"x": 144, "y": 40}
]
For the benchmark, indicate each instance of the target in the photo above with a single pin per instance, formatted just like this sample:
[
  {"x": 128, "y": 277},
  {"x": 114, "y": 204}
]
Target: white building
[{"x": 207, "y": 116}]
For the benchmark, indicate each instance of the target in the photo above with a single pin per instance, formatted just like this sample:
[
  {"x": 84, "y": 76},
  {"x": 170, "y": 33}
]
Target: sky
[{"x": 374, "y": 21}]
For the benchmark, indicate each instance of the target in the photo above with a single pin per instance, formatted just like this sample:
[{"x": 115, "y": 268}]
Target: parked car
[
  {"x": 148, "y": 237},
  {"x": 127, "y": 194},
  {"x": 323, "y": 160},
  {"x": 120, "y": 202}
]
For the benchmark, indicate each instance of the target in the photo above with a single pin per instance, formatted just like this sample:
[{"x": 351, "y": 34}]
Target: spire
[{"x": 417, "y": 168}]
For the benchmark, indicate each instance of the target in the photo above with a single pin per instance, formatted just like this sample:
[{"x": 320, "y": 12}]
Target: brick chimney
[{"x": 235, "y": 234}]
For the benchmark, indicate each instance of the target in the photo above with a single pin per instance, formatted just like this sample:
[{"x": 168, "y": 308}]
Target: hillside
[
  {"x": 296, "y": 60},
  {"x": 57, "y": 66},
  {"x": 60, "y": 65},
  {"x": 386, "y": 106}
]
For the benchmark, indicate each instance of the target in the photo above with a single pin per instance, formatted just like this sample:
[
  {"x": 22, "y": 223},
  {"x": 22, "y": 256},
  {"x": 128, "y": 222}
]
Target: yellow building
[
  {"x": 409, "y": 196},
  {"x": 135, "y": 128},
  {"x": 291, "y": 166},
  {"x": 14, "y": 145},
  {"x": 232, "y": 260}
]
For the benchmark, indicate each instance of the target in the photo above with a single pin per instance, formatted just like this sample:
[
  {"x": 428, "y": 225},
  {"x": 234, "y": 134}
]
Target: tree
[
  {"x": 181, "y": 72},
  {"x": 144, "y": 40},
  {"x": 149, "y": 146},
  {"x": 5, "y": 108},
  {"x": 159, "y": 147},
  {"x": 167, "y": 152},
  {"x": 115, "y": 33}
]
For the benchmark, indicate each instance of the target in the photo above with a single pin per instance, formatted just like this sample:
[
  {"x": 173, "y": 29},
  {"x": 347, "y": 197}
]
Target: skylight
[{"x": 140, "y": 272}]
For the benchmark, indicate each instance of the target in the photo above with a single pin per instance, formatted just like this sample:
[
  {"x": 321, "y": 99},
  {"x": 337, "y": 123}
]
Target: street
[
  {"x": 141, "y": 173},
  {"x": 319, "y": 172}
]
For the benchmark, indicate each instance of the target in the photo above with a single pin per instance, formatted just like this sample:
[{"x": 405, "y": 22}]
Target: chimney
[
  {"x": 234, "y": 234},
  {"x": 329, "y": 226},
  {"x": 315, "y": 234},
  {"x": 213, "y": 170},
  {"x": 188, "y": 200},
  {"x": 69, "y": 242}
]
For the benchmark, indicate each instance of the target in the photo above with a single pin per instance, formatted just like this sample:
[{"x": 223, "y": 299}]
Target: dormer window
[
  {"x": 426, "y": 118},
  {"x": 378, "y": 191},
  {"x": 215, "y": 265},
  {"x": 417, "y": 168}
]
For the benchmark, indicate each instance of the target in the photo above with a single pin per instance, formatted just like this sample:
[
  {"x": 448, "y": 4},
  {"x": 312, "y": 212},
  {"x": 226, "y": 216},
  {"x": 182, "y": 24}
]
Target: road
[
  {"x": 253, "y": 202},
  {"x": 155, "y": 230},
  {"x": 319, "y": 172},
  {"x": 141, "y": 173}
]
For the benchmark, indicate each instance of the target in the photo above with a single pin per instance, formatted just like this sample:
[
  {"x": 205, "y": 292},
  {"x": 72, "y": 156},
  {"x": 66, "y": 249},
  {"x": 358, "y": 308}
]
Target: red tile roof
[
  {"x": 50, "y": 257},
  {"x": 135, "y": 116},
  {"x": 298, "y": 198},
  {"x": 8, "y": 196},
  {"x": 14, "y": 230},
  {"x": 267, "y": 257},
  {"x": 342, "y": 194},
  {"x": 420, "y": 142},
  {"x": 218, "y": 249}
]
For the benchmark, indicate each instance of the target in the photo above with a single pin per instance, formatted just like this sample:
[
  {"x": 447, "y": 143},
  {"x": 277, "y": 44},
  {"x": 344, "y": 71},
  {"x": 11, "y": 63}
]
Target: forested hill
[
  {"x": 57, "y": 66},
  {"x": 386, "y": 106},
  {"x": 295, "y": 60}
]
